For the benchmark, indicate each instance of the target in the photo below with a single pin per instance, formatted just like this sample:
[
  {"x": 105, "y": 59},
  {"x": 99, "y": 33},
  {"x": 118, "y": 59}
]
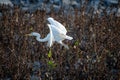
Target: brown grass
[{"x": 94, "y": 52}]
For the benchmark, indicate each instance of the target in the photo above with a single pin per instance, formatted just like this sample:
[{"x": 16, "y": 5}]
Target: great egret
[
  {"x": 57, "y": 33},
  {"x": 48, "y": 38}
]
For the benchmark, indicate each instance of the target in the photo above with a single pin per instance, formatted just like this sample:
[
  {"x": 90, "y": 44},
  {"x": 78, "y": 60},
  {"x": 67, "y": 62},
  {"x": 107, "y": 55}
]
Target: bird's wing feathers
[
  {"x": 50, "y": 41},
  {"x": 56, "y": 30},
  {"x": 58, "y": 25}
]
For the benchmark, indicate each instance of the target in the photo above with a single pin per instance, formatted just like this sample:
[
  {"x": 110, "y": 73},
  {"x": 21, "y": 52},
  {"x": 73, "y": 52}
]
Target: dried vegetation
[{"x": 94, "y": 52}]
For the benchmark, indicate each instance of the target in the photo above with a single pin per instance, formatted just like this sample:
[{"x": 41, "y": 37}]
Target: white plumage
[
  {"x": 57, "y": 24},
  {"x": 57, "y": 34}
]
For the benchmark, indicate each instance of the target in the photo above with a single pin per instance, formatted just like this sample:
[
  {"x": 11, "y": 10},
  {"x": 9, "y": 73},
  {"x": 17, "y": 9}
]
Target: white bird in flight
[{"x": 57, "y": 33}]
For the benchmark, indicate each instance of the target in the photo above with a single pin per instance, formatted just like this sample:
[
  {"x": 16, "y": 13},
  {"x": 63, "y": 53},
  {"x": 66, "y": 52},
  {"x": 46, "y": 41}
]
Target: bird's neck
[{"x": 41, "y": 40}]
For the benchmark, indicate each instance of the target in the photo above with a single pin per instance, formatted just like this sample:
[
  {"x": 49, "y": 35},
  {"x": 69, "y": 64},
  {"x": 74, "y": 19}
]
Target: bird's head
[{"x": 33, "y": 34}]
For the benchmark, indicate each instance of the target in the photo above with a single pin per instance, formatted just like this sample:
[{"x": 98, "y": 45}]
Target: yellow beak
[{"x": 28, "y": 35}]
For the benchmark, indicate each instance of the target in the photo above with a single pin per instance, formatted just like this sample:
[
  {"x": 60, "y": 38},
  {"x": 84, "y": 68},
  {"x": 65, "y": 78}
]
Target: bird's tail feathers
[{"x": 69, "y": 38}]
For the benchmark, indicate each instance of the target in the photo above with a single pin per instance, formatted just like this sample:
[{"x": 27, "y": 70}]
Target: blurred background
[
  {"x": 94, "y": 52},
  {"x": 32, "y": 5}
]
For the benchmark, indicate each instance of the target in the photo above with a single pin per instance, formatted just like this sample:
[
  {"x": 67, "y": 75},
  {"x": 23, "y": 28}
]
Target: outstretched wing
[
  {"x": 57, "y": 24},
  {"x": 58, "y": 35},
  {"x": 51, "y": 38},
  {"x": 56, "y": 30}
]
